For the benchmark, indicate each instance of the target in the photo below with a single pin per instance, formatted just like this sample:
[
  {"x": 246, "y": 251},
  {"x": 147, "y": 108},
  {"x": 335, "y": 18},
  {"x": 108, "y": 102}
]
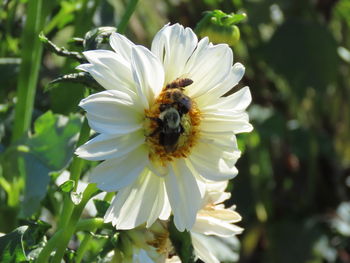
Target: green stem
[
  {"x": 82, "y": 225},
  {"x": 90, "y": 190},
  {"x": 29, "y": 69},
  {"x": 87, "y": 225},
  {"x": 125, "y": 19},
  {"x": 84, "y": 245},
  {"x": 49, "y": 247},
  {"x": 75, "y": 171},
  {"x": 90, "y": 224},
  {"x": 77, "y": 163},
  {"x": 62, "y": 236}
]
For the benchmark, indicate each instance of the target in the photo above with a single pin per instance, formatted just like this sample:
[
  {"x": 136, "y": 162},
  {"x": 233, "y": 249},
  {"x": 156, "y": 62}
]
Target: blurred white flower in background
[
  {"x": 143, "y": 245},
  {"x": 164, "y": 127},
  {"x": 214, "y": 234}
]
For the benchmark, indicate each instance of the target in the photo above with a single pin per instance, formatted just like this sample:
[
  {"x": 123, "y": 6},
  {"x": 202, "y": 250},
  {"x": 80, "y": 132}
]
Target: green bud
[
  {"x": 98, "y": 38},
  {"x": 222, "y": 34},
  {"x": 220, "y": 27}
]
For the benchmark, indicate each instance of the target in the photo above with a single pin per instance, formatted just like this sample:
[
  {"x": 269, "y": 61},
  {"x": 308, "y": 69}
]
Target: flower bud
[
  {"x": 98, "y": 38},
  {"x": 222, "y": 34},
  {"x": 220, "y": 27}
]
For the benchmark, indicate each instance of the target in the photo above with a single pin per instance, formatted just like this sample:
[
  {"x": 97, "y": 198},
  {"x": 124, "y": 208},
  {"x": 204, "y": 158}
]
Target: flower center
[{"x": 172, "y": 124}]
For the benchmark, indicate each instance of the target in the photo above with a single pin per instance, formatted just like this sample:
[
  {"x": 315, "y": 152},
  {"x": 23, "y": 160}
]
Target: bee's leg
[
  {"x": 155, "y": 132},
  {"x": 159, "y": 121},
  {"x": 182, "y": 130}
]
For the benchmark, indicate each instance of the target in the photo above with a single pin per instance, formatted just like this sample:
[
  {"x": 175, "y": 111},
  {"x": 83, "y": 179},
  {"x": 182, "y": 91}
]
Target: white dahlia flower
[{"x": 163, "y": 124}]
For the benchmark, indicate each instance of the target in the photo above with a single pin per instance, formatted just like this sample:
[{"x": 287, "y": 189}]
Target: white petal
[
  {"x": 114, "y": 174},
  {"x": 160, "y": 206},
  {"x": 224, "y": 214},
  {"x": 213, "y": 163},
  {"x": 121, "y": 45},
  {"x": 184, "y": 195},
  {"x": 216, "y": 186},
  {"x": 140, "y": 257},
  {"x": 207, "y": 67},
  {"x": 237, "y": 101},
  {"x": 104, "y": 146},
  {"x": 212, "y": 249},
  {"x": 112, "y": 112},
  {"x": 166, "y": 211},
  {"x": 219, "y": 197},
  {"x": 215, "y": 192},
  {"x": 108, "y": 126},
  {"x": 148, "y": 73},
  {"x": 110, "y": 70},
  {"x": 173, "y": 45},
  {"x": 211, "y": 226},
  {"x": 138, "y": 203},
  {"x": 225, "y": 121},
  {"x": 210, "y": 98},
  {"x": 225, "y": 140},
  {"x": 202, "y": 250}
]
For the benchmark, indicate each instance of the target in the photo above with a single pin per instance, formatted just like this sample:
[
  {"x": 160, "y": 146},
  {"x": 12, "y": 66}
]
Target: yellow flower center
[{"x": 171, "y": 125}]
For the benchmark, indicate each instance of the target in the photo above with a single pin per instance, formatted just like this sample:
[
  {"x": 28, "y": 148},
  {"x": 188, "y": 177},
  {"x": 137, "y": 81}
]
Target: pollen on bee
[{"x": 187, "y": 138}]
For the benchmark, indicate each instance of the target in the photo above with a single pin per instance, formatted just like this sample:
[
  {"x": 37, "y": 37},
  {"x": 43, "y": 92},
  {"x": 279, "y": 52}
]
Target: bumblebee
[{"x": 172, "y": 112}]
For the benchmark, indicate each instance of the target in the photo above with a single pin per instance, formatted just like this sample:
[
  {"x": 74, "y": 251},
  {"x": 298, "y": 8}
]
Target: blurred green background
[{"x": 293, "y": 187}]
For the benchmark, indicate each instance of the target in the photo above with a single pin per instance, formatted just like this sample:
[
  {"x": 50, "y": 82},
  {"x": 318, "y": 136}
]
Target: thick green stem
[
  {"x": 49, "y": 247},
  {"x": 75, "y": 171},
  {"x": 82, "y": 225},
  {"x": 125, "y": 19},
  {"x": 83, "y": 247},
  {"x": 87, "y": 225},
  {"x": 90, "y": 224},
  {"x": 62, "y": 236},
  {"x": 29, "y": 69}
]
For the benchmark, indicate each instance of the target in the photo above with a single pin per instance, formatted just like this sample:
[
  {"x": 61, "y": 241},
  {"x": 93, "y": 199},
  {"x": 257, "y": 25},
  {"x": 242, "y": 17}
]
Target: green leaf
[
  {"x": 182, "y": 242},
  {"x": 51, "y": 149},
  {"x": 101, "y": 207},
  {"x": 11, "y": 246},
  {"x": 53, "y": 141},
  {"x": 35, "y": 233},
  {"x": 67, "y": 186}
]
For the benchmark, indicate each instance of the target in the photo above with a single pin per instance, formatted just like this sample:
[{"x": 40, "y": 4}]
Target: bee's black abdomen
[{"x": 169, "y": 140}]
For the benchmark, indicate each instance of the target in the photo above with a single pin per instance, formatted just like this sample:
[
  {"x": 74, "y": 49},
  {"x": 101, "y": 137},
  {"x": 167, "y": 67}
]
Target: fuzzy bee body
[{"x": 171, "y": 113}]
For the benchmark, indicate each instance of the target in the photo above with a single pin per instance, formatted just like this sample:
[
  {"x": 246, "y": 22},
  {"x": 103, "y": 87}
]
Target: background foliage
[{"x": 293, "y": 186}]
